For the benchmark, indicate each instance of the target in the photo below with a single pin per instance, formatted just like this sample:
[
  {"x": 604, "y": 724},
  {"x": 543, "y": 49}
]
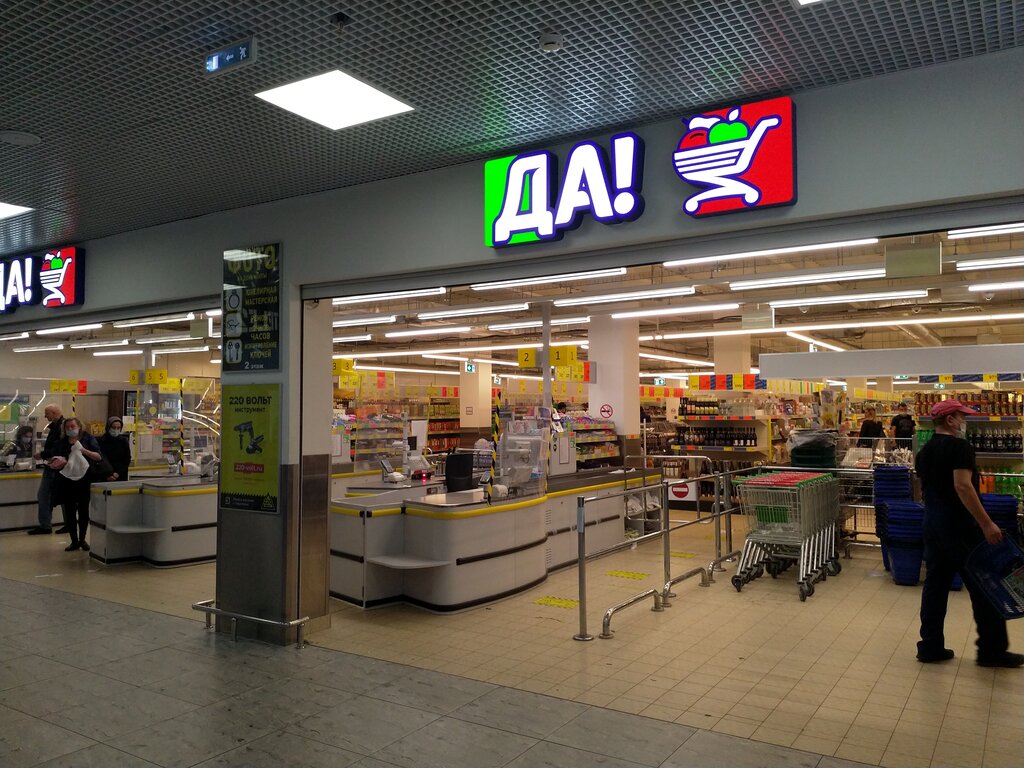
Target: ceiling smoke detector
[{"x": 550, "y": 41}]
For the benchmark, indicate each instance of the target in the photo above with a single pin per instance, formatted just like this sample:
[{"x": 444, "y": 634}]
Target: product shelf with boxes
[
  {"x": 595, "y": 440},
  {"x": 376, "y": 438}
]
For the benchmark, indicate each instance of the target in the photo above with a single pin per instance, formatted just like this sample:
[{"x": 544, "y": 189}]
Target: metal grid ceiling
[{"x": 135, "y": 134}]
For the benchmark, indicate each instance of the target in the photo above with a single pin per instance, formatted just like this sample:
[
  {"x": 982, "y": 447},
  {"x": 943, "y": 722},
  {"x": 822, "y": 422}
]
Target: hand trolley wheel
[
  {"x": 737, "y": 581},
  {"x": 804, "y": 592},
  {"x": 834, "y": 567}
]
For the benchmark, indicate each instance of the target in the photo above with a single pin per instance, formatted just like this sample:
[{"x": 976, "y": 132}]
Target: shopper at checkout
[
  {"x": 115, "y": 449},
  {"x": 74, "y": 486},
  {"x": 47, "y": 485},
  {"x": 870, "y": 429},
  {"x": 955, "y": 522},
  {"x": 902, "y": 427}
]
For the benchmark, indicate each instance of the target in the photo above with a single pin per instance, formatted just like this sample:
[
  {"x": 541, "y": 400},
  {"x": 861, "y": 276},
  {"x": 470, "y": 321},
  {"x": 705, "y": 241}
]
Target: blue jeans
[{"x": 46, "y": 498}]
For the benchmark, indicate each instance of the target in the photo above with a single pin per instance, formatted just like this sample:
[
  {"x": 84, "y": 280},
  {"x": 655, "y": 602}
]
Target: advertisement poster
[
  {"x": 252, "y": 309},
  {"x": 250, "y": 450}
]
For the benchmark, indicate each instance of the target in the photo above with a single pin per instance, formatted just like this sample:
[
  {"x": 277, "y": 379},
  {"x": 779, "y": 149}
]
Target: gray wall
[{"x": 914, "y": 142}]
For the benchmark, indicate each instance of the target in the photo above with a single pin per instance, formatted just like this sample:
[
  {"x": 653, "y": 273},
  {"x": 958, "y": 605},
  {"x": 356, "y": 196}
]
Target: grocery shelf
[
  {"x": 999, "y": 455},
  {"x": 723, "y": 418},
  {"x": 726, "y": 448}
]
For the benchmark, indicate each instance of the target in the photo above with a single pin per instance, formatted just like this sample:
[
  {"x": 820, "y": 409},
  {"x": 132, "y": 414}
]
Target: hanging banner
[
  {"x": 251, "y": 321},
  {"x": 250, "y": 449}
]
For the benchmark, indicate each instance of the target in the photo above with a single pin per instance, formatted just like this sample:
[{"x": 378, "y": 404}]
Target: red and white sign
[
  {"x": 53, "y": 280},
  {"x": 741, "y": 158},
  {"x": 683, "y": 492},
  {"x": 606, "y": 411}
]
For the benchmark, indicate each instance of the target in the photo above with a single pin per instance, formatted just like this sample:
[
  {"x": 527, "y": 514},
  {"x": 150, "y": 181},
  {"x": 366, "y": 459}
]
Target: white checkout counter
[
  {"x": 163, "y": 521},
  {"x": 448, "y": 552},
  {"x": 19, "y": 509}
]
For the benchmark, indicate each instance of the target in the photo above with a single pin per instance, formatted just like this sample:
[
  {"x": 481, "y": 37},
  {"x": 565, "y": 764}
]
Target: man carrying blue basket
[{"x": 955, "y": 522}]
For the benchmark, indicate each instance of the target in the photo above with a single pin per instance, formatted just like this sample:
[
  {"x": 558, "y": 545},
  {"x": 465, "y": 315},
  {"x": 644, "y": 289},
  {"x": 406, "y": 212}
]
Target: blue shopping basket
[{"x": 999, "y": 570}]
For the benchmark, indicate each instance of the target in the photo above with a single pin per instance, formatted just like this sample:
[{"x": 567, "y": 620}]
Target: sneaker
[
  {"x": 72, "y": 547},
  {"x": 85, "y": 546},
  {"x": 39, "y": 531},
  {"x": 934, "y": 656},
  {"x": 1005, "y": 659}
]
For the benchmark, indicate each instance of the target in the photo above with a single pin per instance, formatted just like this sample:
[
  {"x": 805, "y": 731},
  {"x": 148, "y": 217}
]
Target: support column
[
  {"x": 615, "y": 350},
  {"x": 732, "y": 354}
]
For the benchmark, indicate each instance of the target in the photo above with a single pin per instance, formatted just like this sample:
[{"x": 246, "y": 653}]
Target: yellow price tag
[
  {"x": 527, "y": 358},
  {"x": 737, "y": 381},
  {"x": 342, "y": 365},
  {"x": 156, "y": 376},
  {"x": 194, "y": 386},
  {"x": 563, "y": 355},
  {"x": 563, "y": 372},
  {"x": 349, "y": 380},
  {"x": 170, "y": 387},
  {"x": 5, "y": 412},
  {"x": 990, "y": 377},
  {"x": 576, "y": 371},
  {"x": 522, "y": 386},
  {"x": 945, "y": 378}
]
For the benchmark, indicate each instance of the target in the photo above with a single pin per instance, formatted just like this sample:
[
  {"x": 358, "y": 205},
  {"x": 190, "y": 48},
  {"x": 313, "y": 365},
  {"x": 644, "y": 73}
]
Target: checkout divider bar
[{"x": 208, "y": 607}]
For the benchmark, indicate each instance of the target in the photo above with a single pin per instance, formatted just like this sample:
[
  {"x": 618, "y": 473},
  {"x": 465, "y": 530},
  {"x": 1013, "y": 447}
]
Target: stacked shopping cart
[{"x": 791, "y": 518}]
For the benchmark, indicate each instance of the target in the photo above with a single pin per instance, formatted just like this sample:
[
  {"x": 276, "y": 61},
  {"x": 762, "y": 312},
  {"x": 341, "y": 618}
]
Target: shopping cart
[
  {"x": 52, "y": 280},
  {"x": 716, "y": 165},
  {"x": 791, "y": 519}
]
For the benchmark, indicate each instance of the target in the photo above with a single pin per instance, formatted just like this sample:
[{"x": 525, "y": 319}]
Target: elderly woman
[{"x": 73, "y": 492}]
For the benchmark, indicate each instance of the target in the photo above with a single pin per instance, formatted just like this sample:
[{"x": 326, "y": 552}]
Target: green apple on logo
[{"x": 728, "y": 132}]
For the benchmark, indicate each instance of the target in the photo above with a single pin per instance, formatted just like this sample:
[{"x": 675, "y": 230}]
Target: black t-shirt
[
  {"x": 935, "y": 463},
  {"x": 903, "y": 424},
  {"x": 869, "y": 428}
]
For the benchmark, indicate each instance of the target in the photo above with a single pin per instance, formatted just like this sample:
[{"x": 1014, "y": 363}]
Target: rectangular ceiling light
[
  {"x": 349, "y": 339},
  {"x": 448, "y": 330},
  {"x": 69, "y": 329},
  {"x": 334, "y": 100},
  {"x": 156, "y": 320},
  {"x": 95, "y": 344},
  {"x": 368, "y": 297},
  {"x": 996, "y": 263},
  {"x": 682, "y": 376},
  {"x": 806, "y": 279},
  {"x": 464, "y": 350},
  {"x": 815, "y": 342},
  {"x": 657, "y": 293},
  {"x": 450, "y": 358},
  {"x": 471, "y": 311},
  {"x": 683, "y": 360},
  {"x": 178, "y": 350},
  {"x": 692, "y": 310},
  {"x": 566, "y": 278},
  {"x": 538, "y": 323},
  {"x": 1014, "y": 285},
  {"x": 42, "y": 348},
  {"x": 431, "y": 371},
  {"x": 14, "y": 336},
  {"x": 118, "y": 352},
  {"x": 163, "y": 339},
  {"x": 7, "y": 210},
  {"x": 988, "y": 231},
  {"x": 352, "y": 322},
  {"x": 521, "y": 376},
  {"x": 770, "y": 252},
  {"x": 491, "y": 361},
  {"x": 851, "y": 298}
]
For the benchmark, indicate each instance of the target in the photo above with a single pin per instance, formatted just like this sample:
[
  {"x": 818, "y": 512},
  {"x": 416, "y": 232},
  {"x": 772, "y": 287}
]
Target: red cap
[{"x": 947, "y": 407}]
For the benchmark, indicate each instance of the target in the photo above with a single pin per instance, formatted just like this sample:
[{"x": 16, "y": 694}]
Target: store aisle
[{"x": 834, "y": 676}]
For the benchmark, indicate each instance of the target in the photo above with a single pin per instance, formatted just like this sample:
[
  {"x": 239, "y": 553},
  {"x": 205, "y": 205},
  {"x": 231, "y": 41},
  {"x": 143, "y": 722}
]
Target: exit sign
[
  {"x": 231, "y": 56},
  {"x": 470, "y": 367}
]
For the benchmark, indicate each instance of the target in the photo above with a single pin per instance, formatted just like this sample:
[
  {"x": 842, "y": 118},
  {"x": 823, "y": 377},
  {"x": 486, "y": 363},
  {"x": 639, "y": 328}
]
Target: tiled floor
[{"x": 755, "y": 671}]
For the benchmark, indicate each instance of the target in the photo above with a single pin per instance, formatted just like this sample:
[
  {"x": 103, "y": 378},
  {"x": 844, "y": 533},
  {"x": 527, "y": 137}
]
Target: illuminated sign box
[{"x": 54, "y": 279}]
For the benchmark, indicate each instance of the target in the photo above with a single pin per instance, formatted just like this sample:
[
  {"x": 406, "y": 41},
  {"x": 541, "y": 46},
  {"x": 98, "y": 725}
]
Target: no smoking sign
[{"x": 607, "y": 411}]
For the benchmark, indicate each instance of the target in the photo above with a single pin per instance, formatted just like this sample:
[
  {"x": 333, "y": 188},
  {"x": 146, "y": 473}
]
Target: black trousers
[
  {"x": 74, "y": 499},
  {"x": 946, "y": 556}
]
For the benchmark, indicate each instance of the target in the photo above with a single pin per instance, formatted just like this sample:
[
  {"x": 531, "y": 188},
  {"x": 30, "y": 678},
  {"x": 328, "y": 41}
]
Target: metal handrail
[
  {"x": 606, "y": 623},
  {"x": 208, "y": 607},
  {"x": 666, "y": 592}
]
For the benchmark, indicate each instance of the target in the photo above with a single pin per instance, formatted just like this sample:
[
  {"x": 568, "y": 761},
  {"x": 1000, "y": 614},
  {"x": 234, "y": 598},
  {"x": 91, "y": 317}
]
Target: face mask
[
  {"x": 27, "y": 440},
  {"x": 72, "y": 433},
  {"x": 115, "y": 432}
]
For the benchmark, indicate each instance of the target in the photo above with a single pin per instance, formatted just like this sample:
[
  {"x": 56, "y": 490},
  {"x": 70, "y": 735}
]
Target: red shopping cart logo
[
  {"x": 57, "y": 277},
  {"x": 740, "y": 157}
]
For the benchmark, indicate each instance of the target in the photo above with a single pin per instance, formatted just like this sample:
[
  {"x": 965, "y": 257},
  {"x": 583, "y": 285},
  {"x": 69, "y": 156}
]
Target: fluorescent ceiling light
[
  {"x": 810, "y": 301},
  {"x": 156, "y": 320},
  {"x": 214, "y": 312},
  {"x": 334, "y": 100},
  {"x": 214, "y": 361},
  {"x": 680, "y": 375},
  {"x": 43, "y": 348},
  {"x": 7, "y": 210},
  {"x": 178, "y": 350},
  {"x": 368, "y": 297},
  {"x": 997, "y": 286},
  {"x": 451, "y": 358},
  {"x": 538, "y": 323},
  {"x": 988, "y": 231},
  {"x": 69, "y": 329},
  {"x": 816, "y": 342},
  {"x": 163, "y": 339},
  {"x": 372, "y": 320},
  {"x": 431, "y": 371},
  {"x": 357, "y": 337},
  {"x": 770, "y": 252},
  {"x": 835, "y": 382},
  {"x": 14, "y": 336},
  {"x": 566, "y": 278},
  {"x": 95, "y": 344},
  {"x": 992, "y": 263},
  {"x": 683, "y": 360},
  {"x": 118, "y": 352},
  {"x": 439, "y": 331},
  {"x": 491, "y": 361},
  {"x": 806, "y": 279},
  {"x": 691, "y": 310},
  {"x": 657, "y": 293},
  {"x": 469, "y": 311},
  {"x": 464, "y": 350},
  {"x": 521, "y": 376}
]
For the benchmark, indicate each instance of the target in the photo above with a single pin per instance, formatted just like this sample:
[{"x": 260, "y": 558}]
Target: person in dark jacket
[
  {"x": 115, "y": 449},
  {"x": 21, "y": 446},
  {"x": 870, "y": 429},
  {"x": 48, "y": 485},
  {"x": 74, "y": 494}
]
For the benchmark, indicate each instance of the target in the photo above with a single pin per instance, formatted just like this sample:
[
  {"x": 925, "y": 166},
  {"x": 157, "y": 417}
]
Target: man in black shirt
[
  {"x": 955, "y": 522},
  {"x": 902, "y": 427}
]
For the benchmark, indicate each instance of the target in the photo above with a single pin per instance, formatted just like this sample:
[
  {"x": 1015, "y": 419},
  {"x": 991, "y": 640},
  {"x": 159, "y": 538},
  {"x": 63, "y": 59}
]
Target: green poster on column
[{"x": 250, "y": 448}]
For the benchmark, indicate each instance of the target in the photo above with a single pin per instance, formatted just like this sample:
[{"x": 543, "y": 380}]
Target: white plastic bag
[{"x": 77, "y": 464}]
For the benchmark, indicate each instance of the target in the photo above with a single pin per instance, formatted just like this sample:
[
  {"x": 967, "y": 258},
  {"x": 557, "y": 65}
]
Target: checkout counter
[{"x": 19, "y": 509}]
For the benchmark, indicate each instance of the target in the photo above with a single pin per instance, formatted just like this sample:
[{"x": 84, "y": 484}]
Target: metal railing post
[
  {"x": 728, "y": 513},
  {"x": 717, "y": 514},
  {"x": 666, "y": 538},
  {"x": 581, "y": 565}
]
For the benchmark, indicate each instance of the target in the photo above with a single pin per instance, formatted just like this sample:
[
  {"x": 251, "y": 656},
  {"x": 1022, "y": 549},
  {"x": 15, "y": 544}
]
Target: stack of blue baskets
[{"x": 899, "y": 524}]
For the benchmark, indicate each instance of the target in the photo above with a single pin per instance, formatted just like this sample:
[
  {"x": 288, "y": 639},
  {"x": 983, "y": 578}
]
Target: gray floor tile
[
  {"x": 354, "y": 673},
  {"x": 107, "y": 648},
  {"x": 629, "y": 737},
  {"x": 212, "y": 684},
  {"x": 106, "y": 718},
  {"x": 8, "y": 652},
  {"x": 431, "y": 691},
  {"x": 98, "y": 756},
  {"x": 718, "y": 750},
  {"x": 29, "y": 669},
  {"x": 280, "y": 749},
  {"x": 362, "y": 725},
  {"x": 71, "y": 690},
  {"x": 548, "y": 755},
  {"x": 26, "y": 741},
  {"x": 372, "y": 762},
  {"x": 529, "y": 714},
  {"x": 835, "y": 762},
  {"x": 451, "y": 743},
  {"x": 153, "y": 666}
]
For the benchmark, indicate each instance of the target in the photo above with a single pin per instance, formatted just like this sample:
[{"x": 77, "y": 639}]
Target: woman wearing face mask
[
  {"x": 115, "y": 449},
  {"x": 21, "y": 446},
  {"x": 74, "y": 494}
]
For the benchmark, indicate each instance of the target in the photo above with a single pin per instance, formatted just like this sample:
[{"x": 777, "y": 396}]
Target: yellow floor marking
[
  {"x": 557, "y": 602},
  {"x": 628, "y": 574},
  {"x": 684, "y": 554}
]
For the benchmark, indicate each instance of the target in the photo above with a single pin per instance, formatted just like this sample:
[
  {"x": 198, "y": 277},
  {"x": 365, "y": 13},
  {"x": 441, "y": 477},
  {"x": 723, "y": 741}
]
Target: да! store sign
[
  {"x": 54, "y": 279},
  {"x": 732, "y": 159}
]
